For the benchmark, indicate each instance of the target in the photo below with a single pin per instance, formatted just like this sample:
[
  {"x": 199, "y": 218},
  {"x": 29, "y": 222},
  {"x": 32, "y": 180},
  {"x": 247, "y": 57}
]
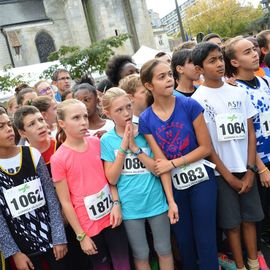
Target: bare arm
[
  {"x": 62, "y": 190},
  {"x": 165, "y": 180},
  {"x": 116, "y": 213},
  {"x": 248, "y": 178},
  {"x": 263, "y": 172},
  {"x": 203, "y": 150}
]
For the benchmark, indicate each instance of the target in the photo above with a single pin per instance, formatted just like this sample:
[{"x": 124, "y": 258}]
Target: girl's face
[
  {"x": 246, "y": 56},
  {"x": 75, "y": 123},
  {"x": 45, "y": 89},
  {"x": 189, "y": 71},
  {"x": 50, "y": 115},
  {"x": 89, "y": 99},
  {"x": 121, "y": 111},
  {"x": 7, "y": 135},
  {"x": 162, "y": 82}
]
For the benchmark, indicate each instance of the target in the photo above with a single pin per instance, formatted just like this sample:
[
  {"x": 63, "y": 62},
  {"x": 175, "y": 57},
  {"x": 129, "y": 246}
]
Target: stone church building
[{"x": 31, "y": 29}]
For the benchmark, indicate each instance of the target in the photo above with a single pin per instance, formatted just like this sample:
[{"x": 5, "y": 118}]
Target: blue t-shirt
[
  {"x": 140, "y": 191},
  {"x": 175, "y": 136}
]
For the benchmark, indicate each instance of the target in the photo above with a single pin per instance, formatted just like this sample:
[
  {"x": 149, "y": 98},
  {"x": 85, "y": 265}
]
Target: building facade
[
  {"x": 171, "y": 19},
  {"x": 32, "y": 29}
]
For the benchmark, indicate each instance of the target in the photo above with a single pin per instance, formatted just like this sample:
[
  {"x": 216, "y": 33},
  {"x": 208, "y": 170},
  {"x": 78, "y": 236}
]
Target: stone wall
[{"x": 68, "y": 25}]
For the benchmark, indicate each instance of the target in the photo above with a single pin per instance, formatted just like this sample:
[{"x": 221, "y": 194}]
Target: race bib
[
  {"x": 230, "y": 126},
  {"x": 25, "y": 198},
  {"x": 265, "y": 123},
  {"x": 132, "y": 164},
  {"x": 100, "y": 204},
  {"x": 189, "y": 175}
]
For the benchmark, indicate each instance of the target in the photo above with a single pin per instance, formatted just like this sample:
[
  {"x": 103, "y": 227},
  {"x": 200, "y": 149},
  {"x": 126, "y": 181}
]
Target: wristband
[
  {"x": 263, "y": 170},
  {"x": 121, "y": 150},
  {"x": 173, "y": 164}
]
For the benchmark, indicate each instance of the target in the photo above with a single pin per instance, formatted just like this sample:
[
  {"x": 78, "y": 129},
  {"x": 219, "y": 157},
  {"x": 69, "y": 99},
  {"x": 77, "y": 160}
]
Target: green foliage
[
  {"x": 227, "y": 18},
  {"x": 7, "y": 82},
  {"x": 80, "y": 62}
]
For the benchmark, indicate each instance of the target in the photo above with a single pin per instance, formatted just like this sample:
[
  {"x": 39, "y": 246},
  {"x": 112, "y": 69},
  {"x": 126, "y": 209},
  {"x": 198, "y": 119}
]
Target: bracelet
[
  {"x": 173, "y": 164},
  {"x": 121, "y": 150},
  {"x": 263, "y": 170}
]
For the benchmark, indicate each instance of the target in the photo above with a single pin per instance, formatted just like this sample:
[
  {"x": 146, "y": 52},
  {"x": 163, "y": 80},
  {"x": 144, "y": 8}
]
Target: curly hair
[{"x": 115, "y": 66}]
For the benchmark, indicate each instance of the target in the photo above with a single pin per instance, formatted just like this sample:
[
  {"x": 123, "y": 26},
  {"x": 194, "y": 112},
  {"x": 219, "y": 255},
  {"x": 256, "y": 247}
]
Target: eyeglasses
[
  {"x": 64, "y": 79},
  {"x": 45, "y": 90}
]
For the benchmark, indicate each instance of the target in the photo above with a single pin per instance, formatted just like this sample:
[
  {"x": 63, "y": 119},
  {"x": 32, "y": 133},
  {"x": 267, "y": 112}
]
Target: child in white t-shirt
[{"x": 228, "y": 113}]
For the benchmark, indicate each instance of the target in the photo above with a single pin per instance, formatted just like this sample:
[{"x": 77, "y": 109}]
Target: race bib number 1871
[{"x": 25, "y": 197}]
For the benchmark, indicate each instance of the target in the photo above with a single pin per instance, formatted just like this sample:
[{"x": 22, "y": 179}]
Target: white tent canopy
[{"x": 144, "y": 54}]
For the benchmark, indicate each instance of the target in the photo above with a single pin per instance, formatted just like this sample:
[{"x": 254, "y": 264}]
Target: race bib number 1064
[{"x": 230, "y": 126}]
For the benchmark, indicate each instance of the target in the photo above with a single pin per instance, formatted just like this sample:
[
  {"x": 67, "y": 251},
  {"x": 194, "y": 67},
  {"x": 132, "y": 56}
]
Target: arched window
[{"x": 45, "y": 45}]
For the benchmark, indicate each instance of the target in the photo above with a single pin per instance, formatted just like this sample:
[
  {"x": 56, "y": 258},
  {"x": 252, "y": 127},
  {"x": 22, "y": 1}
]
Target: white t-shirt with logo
[{"x": 226, "y": 110}]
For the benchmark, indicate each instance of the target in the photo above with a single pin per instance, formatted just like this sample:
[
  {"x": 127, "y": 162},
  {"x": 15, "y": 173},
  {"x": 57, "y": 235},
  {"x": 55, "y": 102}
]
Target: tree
[
  {"x": 82, "y": 62},
  {"x": 8, "y": 81},
  {"x": 227, "y": 18}
]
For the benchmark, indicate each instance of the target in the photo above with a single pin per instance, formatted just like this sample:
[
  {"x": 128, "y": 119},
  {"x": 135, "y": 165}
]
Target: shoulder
[
  {"x": 108, "y": 135},
  {"x": 60, "y": 153}
]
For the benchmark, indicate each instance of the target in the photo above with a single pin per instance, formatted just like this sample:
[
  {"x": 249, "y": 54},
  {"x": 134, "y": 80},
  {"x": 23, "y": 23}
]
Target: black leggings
[{"x": 112, "y": 247}]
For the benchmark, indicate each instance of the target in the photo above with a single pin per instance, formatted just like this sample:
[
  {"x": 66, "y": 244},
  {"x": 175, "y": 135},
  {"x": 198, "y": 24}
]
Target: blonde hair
[
  {"x": 63, "y": 107},
  {"x": 110, "y": 95},
  {"x": 130, "y": 83}
]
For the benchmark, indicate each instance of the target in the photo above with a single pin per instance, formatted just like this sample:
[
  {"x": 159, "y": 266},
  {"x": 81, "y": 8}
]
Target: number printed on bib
[
  {"x": 100, "y": 204},
  {"x": 231, "y": 126},
  {"x": 189, "y": 175},
  {"x": 132, "y": 164},
  {"x": 25, "y": 197},
  {"x": 265, "y": 123}
]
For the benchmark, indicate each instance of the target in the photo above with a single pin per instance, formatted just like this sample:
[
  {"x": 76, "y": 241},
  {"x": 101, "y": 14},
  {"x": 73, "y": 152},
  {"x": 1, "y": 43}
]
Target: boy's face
[
  {"x": 246, "y": 56},
  {"x": 35, "y": 128},
  {"x": 139, "y": 99},
  {"x": 213, "y": 66},
  {"x": 7, "y": 135}
]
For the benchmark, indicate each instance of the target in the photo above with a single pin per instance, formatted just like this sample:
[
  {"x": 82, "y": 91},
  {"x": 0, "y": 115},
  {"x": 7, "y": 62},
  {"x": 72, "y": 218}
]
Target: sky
[{"x": 163, "y": 7}]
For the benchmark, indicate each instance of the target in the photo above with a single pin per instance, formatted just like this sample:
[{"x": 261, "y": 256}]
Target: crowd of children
[{"x": 169, "y": 162}]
